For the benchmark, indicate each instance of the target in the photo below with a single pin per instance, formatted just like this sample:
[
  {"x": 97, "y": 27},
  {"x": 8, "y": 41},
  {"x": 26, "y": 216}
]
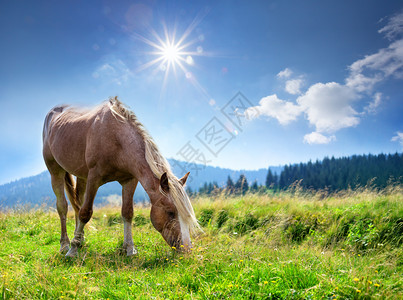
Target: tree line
[
  {"x": 346, "y": 172},
  {"x": 333, "y": 174}
]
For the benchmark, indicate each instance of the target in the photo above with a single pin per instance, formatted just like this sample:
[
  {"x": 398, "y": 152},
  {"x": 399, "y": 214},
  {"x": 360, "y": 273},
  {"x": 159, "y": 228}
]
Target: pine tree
[
  {"x": 270, "y": 180},
  {"x": 230, "y": 187},
  {"x": 254, "y": 187},
  {"x": 241, "y": 186}
]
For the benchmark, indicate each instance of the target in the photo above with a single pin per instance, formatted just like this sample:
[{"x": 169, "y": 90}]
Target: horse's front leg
[
  {"x": 84, "y": 215},
  {"x": 128, "y": 189}
]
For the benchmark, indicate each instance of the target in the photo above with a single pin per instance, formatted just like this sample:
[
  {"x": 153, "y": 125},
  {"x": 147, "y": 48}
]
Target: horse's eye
[{"x": 171, "y": 214}]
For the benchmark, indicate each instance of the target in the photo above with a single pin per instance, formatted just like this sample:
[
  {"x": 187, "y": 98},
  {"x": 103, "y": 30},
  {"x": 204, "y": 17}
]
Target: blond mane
[{"x": 159, "y": 165}]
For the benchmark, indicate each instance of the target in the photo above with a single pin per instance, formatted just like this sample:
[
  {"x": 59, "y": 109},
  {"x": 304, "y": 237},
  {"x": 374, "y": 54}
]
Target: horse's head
[{"x": 165, "y": 215}]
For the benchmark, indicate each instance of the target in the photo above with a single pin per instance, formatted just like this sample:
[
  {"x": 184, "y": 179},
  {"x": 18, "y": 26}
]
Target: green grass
[{"x": 275, "y": 246}]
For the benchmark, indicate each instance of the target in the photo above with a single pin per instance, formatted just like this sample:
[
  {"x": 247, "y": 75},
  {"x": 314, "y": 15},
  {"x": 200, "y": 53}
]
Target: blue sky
[{"x": 317, "y": 78}]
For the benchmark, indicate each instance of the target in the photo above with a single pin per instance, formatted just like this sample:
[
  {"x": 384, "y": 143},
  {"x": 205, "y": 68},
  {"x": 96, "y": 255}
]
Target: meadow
[{"x": 288, "y": 245}]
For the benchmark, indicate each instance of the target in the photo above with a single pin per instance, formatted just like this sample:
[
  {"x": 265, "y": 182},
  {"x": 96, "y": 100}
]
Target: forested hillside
[
  {"x": 37, "y": 190},
  {"x": 346, "y": 172}
]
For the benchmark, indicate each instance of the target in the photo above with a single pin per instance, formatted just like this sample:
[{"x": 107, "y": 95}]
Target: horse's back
[
  {"x": 65, "y": 135},
  {"x": 77, "y": 139}
]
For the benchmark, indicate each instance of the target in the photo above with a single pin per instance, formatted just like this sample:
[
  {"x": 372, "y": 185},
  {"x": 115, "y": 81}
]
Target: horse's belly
[{"x": 69, "y": 152}]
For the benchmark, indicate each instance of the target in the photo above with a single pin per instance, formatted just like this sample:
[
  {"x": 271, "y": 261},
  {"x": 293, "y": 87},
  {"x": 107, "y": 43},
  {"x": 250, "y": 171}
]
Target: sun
[
  {"x": 171, "y": 53},
  {"x": 174, "y": 54}
]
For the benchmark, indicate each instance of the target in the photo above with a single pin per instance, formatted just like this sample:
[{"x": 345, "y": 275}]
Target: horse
[{"x": 108, "y": 143}]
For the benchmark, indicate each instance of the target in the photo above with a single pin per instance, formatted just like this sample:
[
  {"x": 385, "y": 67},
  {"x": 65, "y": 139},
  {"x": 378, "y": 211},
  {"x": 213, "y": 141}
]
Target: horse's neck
[
  {"x": 145, "y": 176},
  {"x": 150, "y": 183}
]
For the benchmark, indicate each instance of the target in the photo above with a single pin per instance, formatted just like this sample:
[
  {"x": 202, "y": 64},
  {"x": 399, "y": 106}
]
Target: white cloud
[
  {"x": 394, "y": 26},
  {"x": 366, "y": 72},
  {"x": 373, "y": 105},
  {"x": 286, "y": 73},
  {"x": 374, "y": 68},
  {"x": 272, "y": 106},
  {"x": 327, "y": 106},
  {"x": 398, "y": 138},
  {"x": 293, "y": 86},
  {"x": 318, "y": 138},
  {"x": 115, "y": 70}
]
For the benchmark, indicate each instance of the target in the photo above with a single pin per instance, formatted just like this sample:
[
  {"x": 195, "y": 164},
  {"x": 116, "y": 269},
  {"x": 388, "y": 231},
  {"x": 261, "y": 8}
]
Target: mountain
[{"x": 37, "y": 190}]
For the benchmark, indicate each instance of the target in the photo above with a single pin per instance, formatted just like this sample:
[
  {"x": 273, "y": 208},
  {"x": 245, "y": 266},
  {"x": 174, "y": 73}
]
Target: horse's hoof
[
  {"x": 64, "y": 249},
  {"x": 131, "y": 251},
  {"x": 71, "y": 253}
]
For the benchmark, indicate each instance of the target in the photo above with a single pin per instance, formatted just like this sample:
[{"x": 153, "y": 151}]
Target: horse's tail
[{"x": 72, "y": 193}]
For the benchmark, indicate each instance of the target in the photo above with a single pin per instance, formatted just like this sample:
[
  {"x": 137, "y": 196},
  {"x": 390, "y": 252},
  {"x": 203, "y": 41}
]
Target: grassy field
[{"x": 291, "y": 245}]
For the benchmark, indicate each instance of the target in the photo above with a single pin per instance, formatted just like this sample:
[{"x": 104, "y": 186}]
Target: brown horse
[{"x": 108, "y": 143}]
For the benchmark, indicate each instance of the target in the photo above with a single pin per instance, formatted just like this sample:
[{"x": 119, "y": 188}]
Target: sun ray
[{"x": 173, "y": 53}]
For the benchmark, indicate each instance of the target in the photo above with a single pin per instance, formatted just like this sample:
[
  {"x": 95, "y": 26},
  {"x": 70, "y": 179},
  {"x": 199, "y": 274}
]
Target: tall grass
[{"x": 295, "y": 245}]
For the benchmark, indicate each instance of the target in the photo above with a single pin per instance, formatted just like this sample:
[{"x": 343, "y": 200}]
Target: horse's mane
[{"x": 159, "y": 165}]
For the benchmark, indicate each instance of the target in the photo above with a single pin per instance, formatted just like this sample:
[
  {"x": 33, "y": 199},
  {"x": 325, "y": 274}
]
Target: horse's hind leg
[
  {"x": 84, "y": 214},
  {"x": 62, "y": 207},
  {"x": 128, "y": 189}
]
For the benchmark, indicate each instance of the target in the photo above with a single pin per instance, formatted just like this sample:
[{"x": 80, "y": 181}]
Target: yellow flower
[
  {"x": 369, "y": 281},
  {"x": 181, "y": 257},
  {"x": 64, "y": 278},
  {"x": 377, "y": 285},
  {"x": 376, "y": 271},
  {"x": 274, "y": 281},
  {"x": 252, "y": 276},
  {"x": 241, "y": 260},
  {"x": 182, "y": 246},
  {"x": 85, "y": 277},
  {"x": 266, "y": 282},
  {"x": 230, "y": 285},
  {"x": 358, "y": 291},
  {"x": 173, "y": 247},
  {"x": 356, "y": 279}
]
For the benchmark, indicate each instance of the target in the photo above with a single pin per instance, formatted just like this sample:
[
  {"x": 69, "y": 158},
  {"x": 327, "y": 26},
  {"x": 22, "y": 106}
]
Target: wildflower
[
  {"x": 85, "y": 277},
  {"x": 252, "y": 276},
  {"x": 181, "y": 257},
  {"x": 377, "y": 285},
  {"x": 230, "y": 285},
  {"x": 369, "y": 281},
  {"x": 64, "y": 278},
  {"x": 273, "y": 281},
  {"x": 358, "y": 291},
  {"x": 356, "y": 279},
  {"x": 173, "y": 247},
  {"x": 182, "y": 246},
  {"x": 269, "y": 265},
  {"x": 359, "y": 254},
  {"x": 376, "y": 271},
  {"x": 266, "y": 282},
  {"x": 241, "y": 260}
]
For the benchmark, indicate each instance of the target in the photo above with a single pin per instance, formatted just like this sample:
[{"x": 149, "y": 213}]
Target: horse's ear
[
  {"x": 182, "y": 181},
  {"x": 164, "y": 182}
]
